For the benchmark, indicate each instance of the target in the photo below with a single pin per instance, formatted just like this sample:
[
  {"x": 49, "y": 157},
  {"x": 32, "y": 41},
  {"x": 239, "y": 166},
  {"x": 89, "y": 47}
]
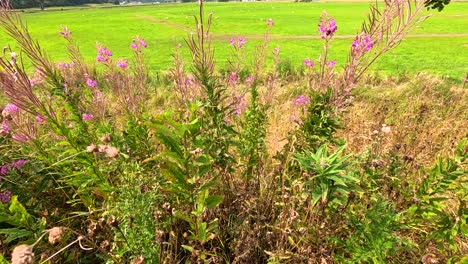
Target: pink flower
[
  {"x": 331, "y": 63},
  {"x": 270, "y": 22},
  {"x": 240, "y": 42},
  {"x": 142, "y": 43},
  {"x": 122, "y": 63},
  {"x": 63, "y": 65},
  {"x": 249, "y": 80},
  {"x": 5, "y": 127},
  {"x": 362, "y": 43},
  {"x": 65, "y": 32},
  {"x": 10, "y": 109},
  {"x": 327, "y": 28},
  {"x": 40, "y": 119},
  {"x": 86, "y": 117},
  {"x": 138, "y": 43},
  {"x": 302, "y": 100},
  {"x": 309, "y": 63},
  {"x": 91, "y": 83},
  {"x": 232, "y": 41},
  {"x": 103, "y": 54},
  {"x": 232, "y": 78}
]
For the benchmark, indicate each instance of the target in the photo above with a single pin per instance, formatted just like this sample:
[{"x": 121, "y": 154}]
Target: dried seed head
[
  {"x": 138, "y": 260},
  {"x": 112, "y": 152},
  {"x": 112, "y": 221},
  {"x": 429, "y": 258},
  {"x": 55, "y": 235},
  {"x": 160, "y": 236},
  {"x": 91, "y": 148},
  {"x": 106, "y": 138},
  {"x": 22, "y": 254},
  {"x": 167, "y": 207}
]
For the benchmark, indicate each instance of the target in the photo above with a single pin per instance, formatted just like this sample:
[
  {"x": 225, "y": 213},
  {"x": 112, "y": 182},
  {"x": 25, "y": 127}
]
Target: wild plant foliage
[{"x": 90, "y": 161}]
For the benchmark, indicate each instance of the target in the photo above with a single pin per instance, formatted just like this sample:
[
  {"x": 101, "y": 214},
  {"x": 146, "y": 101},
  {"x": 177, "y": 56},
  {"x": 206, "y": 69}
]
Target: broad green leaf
[
  {"x": 15, "y": 233},
  {"x": 213, "y": 201}
]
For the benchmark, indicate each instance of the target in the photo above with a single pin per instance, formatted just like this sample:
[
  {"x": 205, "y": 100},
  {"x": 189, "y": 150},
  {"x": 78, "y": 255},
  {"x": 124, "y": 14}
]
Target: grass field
[{"x": 440, "y": 46}]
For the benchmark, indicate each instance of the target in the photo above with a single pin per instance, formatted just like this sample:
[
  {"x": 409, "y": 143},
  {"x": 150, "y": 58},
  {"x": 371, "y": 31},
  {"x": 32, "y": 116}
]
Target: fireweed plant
[{"x": 196, "y": 184}]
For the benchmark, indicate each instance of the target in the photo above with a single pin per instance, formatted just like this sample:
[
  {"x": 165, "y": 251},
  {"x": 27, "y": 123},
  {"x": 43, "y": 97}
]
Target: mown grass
[{"x": 440, "y": 47}]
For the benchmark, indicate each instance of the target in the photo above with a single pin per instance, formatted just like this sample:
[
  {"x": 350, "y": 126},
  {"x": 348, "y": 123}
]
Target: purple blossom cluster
[
  {"x": 239, "y": 44},
  {"x": 87, "y": 117},
  {"x": 327, "y": 28},
  {"x": 270, "y": 22},
  {"x": 5, "y": 196},
  {"x": 65, "y": 33},
  {"x": 122, "y": 63},
  {"x": 138, "y": 44},
  {"x": 91, "y": 83},
  {"x": 10, "y": 109},
  {"x": 309, "y": 63},
  {"x": 362, "y": 43},
  {"x": 6, "y": 169},
  {"x": 302, "y": 100},
  {"x": 103, "y": 54}
]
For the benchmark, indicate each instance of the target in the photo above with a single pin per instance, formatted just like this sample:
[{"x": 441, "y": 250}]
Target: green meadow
[{"x": 439, "y": 46}]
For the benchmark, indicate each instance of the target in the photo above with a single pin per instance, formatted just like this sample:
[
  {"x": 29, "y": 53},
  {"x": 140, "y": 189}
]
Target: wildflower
[
  {"x": 65, "y": 33},
  {"x": 91, "y": 83},
  {"x": 309, "y": 63},
  {"x": 40, "y": 119},
  {"x": 240, "y": 42},
  {"x": 142, "y": 43},
  {"x": 5, "y": 169},
  {"x": 249, "y": 80},
  {"x": 232, "y": 41},
  {"x": 9, "y": 110},
  {"x": 13, "y": 55},
  {"x": 302, "y": 100},
  {"x": 138, "y": 43},
  {"x": 5, "y": 196},
  {"x": 63, "y": 65},
  {"x": 86, "y": 117},
  {"x": 232, "y": 78},
  {"x": 103, "y": 54},
  {"x": 239, "y": 105},
  {"x": 327, "y": 27},
  {"x": 5, "y": 127},
  {"x": 270, "y": 22},
  {"x": 362, "y": 42},
  {"x": 331, "y": 63},
  {"x": 18, "y": 164},
  {"x": 122, "y": 63}
]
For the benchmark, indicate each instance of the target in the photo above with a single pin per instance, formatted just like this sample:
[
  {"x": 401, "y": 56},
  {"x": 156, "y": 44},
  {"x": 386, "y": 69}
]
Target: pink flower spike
[
  {"x": 91, "y": 83},
  {"x": 232, "y": 41},
  {"x": 133, "y": 46},
  {"x": 122, "y": 63},
  {"x": 5, "y": 127},
  {"x": 309, "y": 63},
  {"x": 240, "y": 42},
  {"x": 301, "y": 100},
  {"x": 19, "y": 137},
  {"x": 142, "y": 43},
  {"x": 86, "y": 117},
  {"x": 331, "y": 63},
  {"x": 10, "y": 109},
  {"x": 40, "y": 119},
  {"x": 270, "y": 22},
  {"x": 65, "y": 33}
]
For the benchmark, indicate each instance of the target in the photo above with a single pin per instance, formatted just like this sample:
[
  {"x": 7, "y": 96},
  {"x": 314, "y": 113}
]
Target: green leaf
[
  {"x": 15, "y": 233},
  {"x": 189, "y": 248},
  {"x": 19, "y": 213},
  {"x": 213, "y": 201},
  {"x": 3, "y": 260}
]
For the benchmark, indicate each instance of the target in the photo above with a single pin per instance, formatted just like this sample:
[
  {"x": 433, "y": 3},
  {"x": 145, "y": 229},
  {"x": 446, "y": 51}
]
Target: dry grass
[{"x": 427, "y": 117}]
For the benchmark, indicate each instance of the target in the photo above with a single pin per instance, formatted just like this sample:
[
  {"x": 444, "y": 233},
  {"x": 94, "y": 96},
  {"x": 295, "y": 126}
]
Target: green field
[{"x": 440, "y": 46}]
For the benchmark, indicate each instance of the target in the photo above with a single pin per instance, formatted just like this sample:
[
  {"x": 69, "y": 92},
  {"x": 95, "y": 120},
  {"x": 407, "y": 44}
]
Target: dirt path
[{"x": 261, "y": 36}]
